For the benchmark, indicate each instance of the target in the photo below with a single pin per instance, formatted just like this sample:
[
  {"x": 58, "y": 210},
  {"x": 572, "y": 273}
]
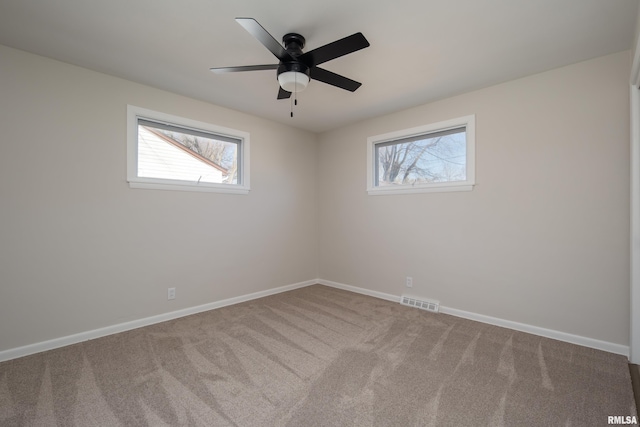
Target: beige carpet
[{"x": 317, "y": 356}]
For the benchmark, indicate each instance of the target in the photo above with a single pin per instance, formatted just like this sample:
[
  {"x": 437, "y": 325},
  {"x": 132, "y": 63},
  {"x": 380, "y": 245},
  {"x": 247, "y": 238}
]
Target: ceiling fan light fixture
[{"x": 293, "y": 81}]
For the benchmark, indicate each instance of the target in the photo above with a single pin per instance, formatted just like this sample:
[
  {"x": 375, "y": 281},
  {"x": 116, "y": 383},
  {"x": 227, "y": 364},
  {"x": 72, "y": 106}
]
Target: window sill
[
  {"x": 193, "y": 187},
  {"x": 380, "y": 191}
]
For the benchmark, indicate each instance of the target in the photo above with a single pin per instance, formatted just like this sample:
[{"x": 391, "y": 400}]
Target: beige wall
[
  {"x": 80, "y": 250},
  {"x": 543, "y": 239}
]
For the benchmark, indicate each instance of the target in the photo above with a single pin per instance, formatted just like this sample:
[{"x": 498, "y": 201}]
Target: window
[
  {"x": 172, "y": 153},
  {"x": 435, "y": 157}
]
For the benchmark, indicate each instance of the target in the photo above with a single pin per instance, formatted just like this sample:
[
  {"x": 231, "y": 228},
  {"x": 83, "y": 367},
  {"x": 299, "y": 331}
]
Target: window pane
[
  {"x": 429, "y": 158},
  {"x": 170, "y": 152}
]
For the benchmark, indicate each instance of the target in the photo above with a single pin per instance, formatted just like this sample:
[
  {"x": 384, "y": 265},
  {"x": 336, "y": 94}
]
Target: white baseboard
[
  {"x": 376, "y": 294},
  {"x": 122, "y": 327},
  {"x": 127, "y": 326},
  {"x": 535, "y": 330},
  {"x": 543, "y": 332}
]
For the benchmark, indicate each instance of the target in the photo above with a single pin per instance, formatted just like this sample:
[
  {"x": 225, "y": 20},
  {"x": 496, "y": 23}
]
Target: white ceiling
[{"x": 421, "y": 50}]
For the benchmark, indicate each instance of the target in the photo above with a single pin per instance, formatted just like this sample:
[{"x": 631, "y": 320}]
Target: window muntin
[
  {"x": 436, "y": 157},
  {"x": 173, "y": 153}
]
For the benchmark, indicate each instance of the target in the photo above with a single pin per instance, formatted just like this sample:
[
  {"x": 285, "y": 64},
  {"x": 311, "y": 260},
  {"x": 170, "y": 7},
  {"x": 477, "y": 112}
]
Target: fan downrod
[{"x": 293, "y": 43}]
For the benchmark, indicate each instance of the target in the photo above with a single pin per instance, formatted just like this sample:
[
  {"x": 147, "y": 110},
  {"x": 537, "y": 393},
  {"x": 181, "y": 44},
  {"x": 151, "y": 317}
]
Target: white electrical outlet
[
  {"x": 171, "y": 293},
  {"x": 409, "y": 282}
]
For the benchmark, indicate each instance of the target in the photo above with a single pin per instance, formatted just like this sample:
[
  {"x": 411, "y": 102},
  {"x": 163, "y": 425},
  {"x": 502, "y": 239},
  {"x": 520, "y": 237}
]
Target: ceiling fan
[{"x": 296, "y": 69}]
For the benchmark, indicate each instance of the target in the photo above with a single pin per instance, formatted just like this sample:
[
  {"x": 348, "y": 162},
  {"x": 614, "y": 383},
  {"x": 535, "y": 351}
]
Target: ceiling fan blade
[
  {"x": 221, "y": 70},
  {"x": 334, "y": 79},
  {"x": 267, "y": 40},
  {"x": 283, "y": 94},
  {"x": 334, "y": 50}
]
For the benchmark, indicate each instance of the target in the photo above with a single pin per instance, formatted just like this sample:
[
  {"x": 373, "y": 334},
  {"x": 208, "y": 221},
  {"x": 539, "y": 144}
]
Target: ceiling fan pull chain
[
  {"x": 294, "y": 101},
  {"x": 295, "y": 93}
]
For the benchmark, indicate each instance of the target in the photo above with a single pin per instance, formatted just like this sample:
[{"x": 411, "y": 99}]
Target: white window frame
[
  {"x": 468, "y": 122},
  {"x": 134, "y": 113}
]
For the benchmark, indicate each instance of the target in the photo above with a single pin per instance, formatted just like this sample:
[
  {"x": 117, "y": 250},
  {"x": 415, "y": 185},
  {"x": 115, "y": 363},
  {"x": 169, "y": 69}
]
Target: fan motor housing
[
  {"x": 293, "y": 66},
  {"x": 293, "y": 44}
]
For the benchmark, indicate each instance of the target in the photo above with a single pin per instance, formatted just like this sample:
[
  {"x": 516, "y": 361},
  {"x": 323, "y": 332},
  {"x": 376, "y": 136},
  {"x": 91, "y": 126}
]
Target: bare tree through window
[{"x": 429, "y": 158}]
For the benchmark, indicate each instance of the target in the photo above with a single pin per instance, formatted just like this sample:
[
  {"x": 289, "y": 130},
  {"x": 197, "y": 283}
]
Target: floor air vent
[{"x": 433, "y": 306}]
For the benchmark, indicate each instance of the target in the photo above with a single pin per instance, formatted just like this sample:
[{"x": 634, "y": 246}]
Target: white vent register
[{"x": 433, "y": 306}]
